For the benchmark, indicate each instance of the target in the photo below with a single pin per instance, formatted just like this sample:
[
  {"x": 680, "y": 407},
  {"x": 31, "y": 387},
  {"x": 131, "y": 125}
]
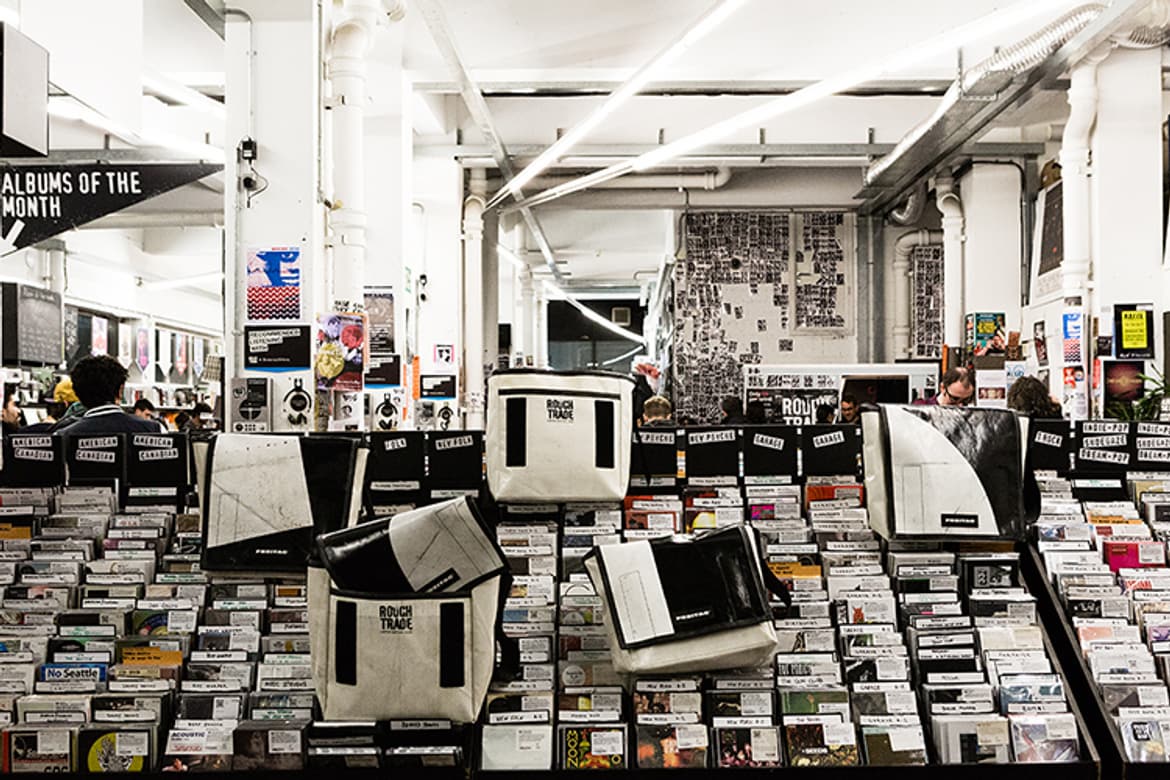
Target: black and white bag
[
  {"x": 944, "y": 471},
  {"x": 558, "y": 436},
  {"x": 404, "y": 614},
  {"x": 687, "y": 606}
]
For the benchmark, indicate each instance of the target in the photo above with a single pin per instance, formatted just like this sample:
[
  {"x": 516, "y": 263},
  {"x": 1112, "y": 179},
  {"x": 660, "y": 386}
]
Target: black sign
[
  {"x": 384, "y": 371},
  {"x": 97, "y": 459},
  {"x": 793, "y": 406},
  {"x": 654, "y": 457},
  {"x": 769, "y": 451},
  {"x": 1050, "y": 446},
  {"x": 1104, "y": 447},
  {"x": 454, "y": 461},
  {"x": 33, "y": 460},
  {"x": 712, "y": 455},
  {"x": 276, "y": 347},
  {"x": 157, "y": 460},
  {"x": 397, "y": 466},
  {"x": 41, "y": 201},
  {"x": 830, "y": 450},
  {"x": 32, "y": 329},
  {"x": 437, "y": 386}
]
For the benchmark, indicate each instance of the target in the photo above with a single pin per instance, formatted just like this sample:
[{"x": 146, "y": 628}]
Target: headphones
[
  {"x": 297, "y": 402},
  {"x": 445, "y": 415},
  {"x": 386, "y": 415}
]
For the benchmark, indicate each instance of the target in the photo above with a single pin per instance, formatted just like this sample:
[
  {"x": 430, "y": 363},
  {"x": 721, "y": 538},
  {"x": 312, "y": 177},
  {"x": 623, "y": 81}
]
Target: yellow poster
[{"x": 1133, "y": 330}]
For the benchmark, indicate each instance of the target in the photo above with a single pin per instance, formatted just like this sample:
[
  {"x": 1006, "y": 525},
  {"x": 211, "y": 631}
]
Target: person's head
[
  {"x": 957, "y": 387},
  {"x": 849, "y": 408},
  {"x": 1028, "y": 395},
  {"x": 55, "y": 409},
  {"x": 825, "y": 413},
  {"x": 11, "y": 411},
  {"x": 144, "y": 408},
  {"x": 182, "y": 420},
  {"x": 98, "y": 380},
  {"x": 656, "y": 408},
  {"x": 63, "y": 392},
  {"x": 197, "y": 414},
  {"x": 756, "y": 413},
  {"x": 732, "y": 406}
]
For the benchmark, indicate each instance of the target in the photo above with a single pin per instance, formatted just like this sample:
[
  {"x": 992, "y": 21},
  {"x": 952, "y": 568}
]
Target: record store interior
[{"x": 515, "y": 388}]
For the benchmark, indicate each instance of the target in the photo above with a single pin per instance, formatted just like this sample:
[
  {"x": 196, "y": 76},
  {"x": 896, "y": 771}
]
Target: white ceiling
[{"x": 596, "y": 44}]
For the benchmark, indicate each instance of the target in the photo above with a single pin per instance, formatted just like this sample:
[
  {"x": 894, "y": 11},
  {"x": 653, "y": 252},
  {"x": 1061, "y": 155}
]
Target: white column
[
  {"x": 473, "y": 323},
  {"x": 491, "y": 288},
  {"x": 540, "y": 328},
  {"x": 991, "y": 251},
  {"x": 953, "y": 225},
  {"x": 527, "y": 320},
  {"x": 273, "y": 97}
]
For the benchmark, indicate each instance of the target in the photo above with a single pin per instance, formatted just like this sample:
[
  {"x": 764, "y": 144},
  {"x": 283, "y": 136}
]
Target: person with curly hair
[{"x": 1028, "y": 395}]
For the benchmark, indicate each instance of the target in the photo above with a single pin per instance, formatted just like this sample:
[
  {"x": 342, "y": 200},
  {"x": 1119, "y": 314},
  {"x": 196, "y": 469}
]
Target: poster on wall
[
  {"x": 277, "y": 347},
  {"x": 142, "y": 349},
  {"x": 180, "y": 362},
  {"x": 986, "y": 333},
  {"x": 162, "y": 361},
  {"x": 125, "y": 347},
  {"x": 99, "y": 336},
  {"x": 1040, "y": 344},
  {"x": 197, "y": 351},
  {"x": 1133, "y": 331},
  {"x": 384, "y": 367},
  {"x": 341, "y": 352},
  {"x": 274, "y": 283},
  {"x": 1123, "y": 382},
  {"x": 384, "y": 371}
]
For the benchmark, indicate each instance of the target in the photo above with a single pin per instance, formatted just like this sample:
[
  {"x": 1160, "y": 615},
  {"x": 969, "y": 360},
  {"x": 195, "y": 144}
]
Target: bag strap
[
  {"x": 642, "y": 453},
  {"x": 773, "y": 583}
]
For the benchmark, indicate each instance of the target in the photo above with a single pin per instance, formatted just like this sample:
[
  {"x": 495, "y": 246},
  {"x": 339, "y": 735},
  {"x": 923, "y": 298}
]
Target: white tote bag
[
  {"x": 559, "y": 436},
  {"x": 687, "y": 606},
  {"x": 942, "y": 471},
  {"x": 404, "y": 615}
]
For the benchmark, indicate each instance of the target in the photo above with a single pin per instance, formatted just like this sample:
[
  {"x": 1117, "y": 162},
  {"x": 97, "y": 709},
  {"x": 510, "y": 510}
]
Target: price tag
[
  {"x": 284, "y": 741},
  {"x": 690, "y": 737},
  {"x": 904, "y": 740},
  {"x": 1151, "y": 553},
  {"x": 990, "y": 733},
  {"x": 180, "y": 622},
  {"x": 607, "y": 743},
  {"x": 131, "y": 743},
  {"x": 766, "y": 745},
  {"x": 225, "y": 708},
  {"x": 756, "y": 703},
  {"x": 901, "y": 701},
  {"x": 839, "y": 734},
  {"x": 1062, "y": 728},
  {"x": 530, "y": 740},
  {"x": 53, "y": 743}
]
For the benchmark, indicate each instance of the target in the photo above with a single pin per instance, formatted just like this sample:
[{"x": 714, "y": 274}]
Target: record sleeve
[
  {"x": 1045, "y": 738},
  {"x": 820, "y": 740},
  {"x": 747, "y": 747},
  {"x": 672, "y": 746},
  {"x": 116, "y": 749},
  {"x": 592, "y": 747},
  {"x": 900, "y": 745}
]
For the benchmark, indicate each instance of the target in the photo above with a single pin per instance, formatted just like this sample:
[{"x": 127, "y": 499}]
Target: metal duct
[
  {"x": 911, "y": 209},
  {"x": 968, "y": 96}
]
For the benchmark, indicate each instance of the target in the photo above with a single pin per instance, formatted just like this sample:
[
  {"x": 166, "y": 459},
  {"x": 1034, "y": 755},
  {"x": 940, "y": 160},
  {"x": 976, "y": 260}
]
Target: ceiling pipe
[
  {"x": 1021, "y": 57},
  {"x": 911, "y": 209},
  {"x": 903, "y": 248},
  {"x": 707, "y": 180},
  {"x": 131, "y": 220}
]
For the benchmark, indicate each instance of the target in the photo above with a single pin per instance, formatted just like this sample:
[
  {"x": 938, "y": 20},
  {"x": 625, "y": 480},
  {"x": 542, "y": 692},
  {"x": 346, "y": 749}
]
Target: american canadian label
[
  {"x": 160, "y": 442},
  {"x": 97, "y": 456},
  {"x": 97, "y": 442},
  {"x": 167, "y": 454}
]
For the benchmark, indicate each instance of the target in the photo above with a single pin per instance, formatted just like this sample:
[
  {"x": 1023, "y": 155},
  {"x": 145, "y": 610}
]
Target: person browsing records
[
  {"x": 956, "y": 388},
  {"x": 98, "y": 381}
]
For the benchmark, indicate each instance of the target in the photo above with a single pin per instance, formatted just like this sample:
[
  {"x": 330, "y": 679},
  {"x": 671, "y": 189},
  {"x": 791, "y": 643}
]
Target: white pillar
[
  {"x": 273, "y": 97},
  {"x": 353, "y": 36},
  {"x": 947, "y": 200},
  {"x": 491, "y": 288},
  {"x": 526, "y": 320},
  {"x": 473, "y": 324},
  {"x": 1078, "y": 250},
  {"x": 1126, "y": 186},
  {"x": 992, "y": 249},
  {"x": 540, "y": 328}
]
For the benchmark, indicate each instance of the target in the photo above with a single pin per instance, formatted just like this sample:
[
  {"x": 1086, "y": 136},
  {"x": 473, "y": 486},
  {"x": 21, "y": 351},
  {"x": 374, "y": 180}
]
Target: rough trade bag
[
  {"x": 404, "y": 615},
  {"x": 558, "y": 436},
  {"x": 944, "y": 471},
  {"x": 688, "y": 606}
]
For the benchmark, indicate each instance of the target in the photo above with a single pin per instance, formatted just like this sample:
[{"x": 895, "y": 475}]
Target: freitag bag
[
  {"x": 942, "y": 471},
  {"x": 404, "y": 614},
  {"x": 687, "y": 606},
  {"x": 558, "y": 436}
]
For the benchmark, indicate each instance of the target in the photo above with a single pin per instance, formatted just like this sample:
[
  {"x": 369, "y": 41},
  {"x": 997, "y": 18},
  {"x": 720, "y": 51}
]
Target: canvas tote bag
[
  {"x": 404, "y": 615},
  {"x": 558, "y": 436},
  {"x": 687, "y": 606}
]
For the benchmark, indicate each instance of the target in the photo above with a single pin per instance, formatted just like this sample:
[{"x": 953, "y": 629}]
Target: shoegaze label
[
  {"x": 960, "y": 521},
  {"x": 396, "y": 618}
]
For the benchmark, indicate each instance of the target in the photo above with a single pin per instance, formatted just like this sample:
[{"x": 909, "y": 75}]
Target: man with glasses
[{"x": 956, "y": 388}]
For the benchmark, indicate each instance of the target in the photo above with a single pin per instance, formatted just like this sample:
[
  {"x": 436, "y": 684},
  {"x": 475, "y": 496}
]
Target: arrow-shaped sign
[{"x": 8, "y": 241}]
